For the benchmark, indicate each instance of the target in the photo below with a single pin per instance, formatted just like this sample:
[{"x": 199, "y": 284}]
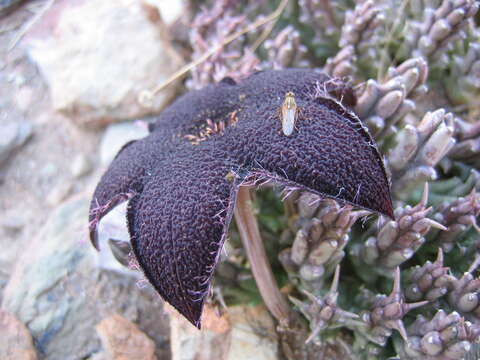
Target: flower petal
[
  {"x": 330, "y": 154},
  {"x": 123, "y": 179},
  {"x": 178, "y": 225}
]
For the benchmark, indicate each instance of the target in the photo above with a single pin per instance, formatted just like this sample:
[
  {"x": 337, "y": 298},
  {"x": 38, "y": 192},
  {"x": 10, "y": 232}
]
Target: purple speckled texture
[{"x": 181, "y": 199}]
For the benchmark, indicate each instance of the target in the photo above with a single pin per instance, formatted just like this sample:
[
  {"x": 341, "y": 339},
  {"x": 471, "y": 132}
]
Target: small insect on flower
[{"x": 289, "y": 113}]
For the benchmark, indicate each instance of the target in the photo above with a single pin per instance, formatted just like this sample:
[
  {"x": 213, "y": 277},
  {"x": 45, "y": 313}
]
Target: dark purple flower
[{"x": 181, "y": 180}]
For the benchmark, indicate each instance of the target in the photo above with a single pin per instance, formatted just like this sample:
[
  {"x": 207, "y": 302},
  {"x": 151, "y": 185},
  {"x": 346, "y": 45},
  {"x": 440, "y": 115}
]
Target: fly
[{"x": 289, "y": 113}]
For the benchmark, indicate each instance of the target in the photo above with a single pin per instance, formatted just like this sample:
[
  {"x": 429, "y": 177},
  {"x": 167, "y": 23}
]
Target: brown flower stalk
[{"x": 262, "y": 272}]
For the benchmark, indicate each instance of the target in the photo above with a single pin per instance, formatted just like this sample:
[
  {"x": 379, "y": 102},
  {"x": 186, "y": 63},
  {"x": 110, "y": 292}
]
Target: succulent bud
[
  {"x": 387, "y": 314},
  {"x": 463, "y": 83},
  {"x": 360, "y": 24},
  {"x": 286, "y": 49},
  {"x": 418, "y": 149},
  {"x": 439, "y": 28},
  {"x": 382, "y": 105},
  {"x": 459, "y": 216},
  {"x": 467, "y": 148},
  {"x": 323, "y": 312},
  {"x": 343, "y": 64},
  {"x": 447, "y": 190},
  {"x": 397, "y": 240},
  {"x": 323, "y": 17},
  {"x": 319, "y": 243},
  {"x": 445, "y": 337},
  {"x": 465, "y": 296},
  {"x": 430, "y": 281},
  {"x": 121, "y": 250},
  {"x": 215, "y": 26}
]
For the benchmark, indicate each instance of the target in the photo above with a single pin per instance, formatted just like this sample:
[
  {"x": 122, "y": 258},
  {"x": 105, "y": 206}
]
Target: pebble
[
  {"x": 123, "y": 340},
  {"x": 15, "y": 342}
]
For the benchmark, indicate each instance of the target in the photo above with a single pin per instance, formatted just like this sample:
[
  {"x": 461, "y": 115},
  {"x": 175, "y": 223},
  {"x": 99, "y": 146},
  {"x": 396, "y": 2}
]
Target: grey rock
[
  {"x": 115, "y": 49},
  {"x": 59, "y": 193},
  {"x": 244, "y": 332},
  {"x": 11, "y": 222},
  {"x": 170, "y": 10},
  {"x": 49, "y": 170},
  {"x": 8, "y": 5},
  {"x": 16, "y": 342},
  {"x": 16, "y": 79},
  {"x": 117, "y": 135},
  {"x": 80, "y": 166},
  {"x": 24, "y": 98},
  {"x": 57, "y": 290},
  {"x": 122, "y": 340},
  {"x": 13, "y": 136},
  {"x": 114, "y": 226}
]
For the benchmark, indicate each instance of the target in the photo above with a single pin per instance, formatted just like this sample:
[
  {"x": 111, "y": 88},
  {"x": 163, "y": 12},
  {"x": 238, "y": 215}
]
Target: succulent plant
[
  {"x": 464, "y": 296},
  {"x": 459, "y": 216},
  {"x": 396, "y": 240},
  {"x": 360, "y": 29},
  {"x": 439, "y": 28},
  {"x": 429, "y": 281},
  {"x": 382, "y": 105},
  {"x": 318, "y": 245},
  {"x": 443, "y": 337},
  {"x": 409, "y": 70},
  {"x": 286, "y": 49},
  {"x": 386, "y": 313},
  {"x": 324, "y": 312},
  {"x": 467, "y": 149},
  {"x": 211, "y": 28}
]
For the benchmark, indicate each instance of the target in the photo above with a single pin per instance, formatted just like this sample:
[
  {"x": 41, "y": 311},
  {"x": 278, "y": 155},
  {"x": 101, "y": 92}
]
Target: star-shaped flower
[{"x": 182, "y": 179}]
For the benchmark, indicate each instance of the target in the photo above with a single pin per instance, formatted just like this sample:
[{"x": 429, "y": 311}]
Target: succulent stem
[{"x": 262, "y": 272}]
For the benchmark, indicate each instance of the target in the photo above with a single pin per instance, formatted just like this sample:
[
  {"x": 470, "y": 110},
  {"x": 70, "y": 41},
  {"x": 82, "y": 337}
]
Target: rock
[
  {"x": 24, "y": 98},
  {"x": 16, "y": 79},
  {"x": 59, "y": 193},
  {"x": 11, "y": 222},
  {"x": 15, "y": 342},
  {"x": 114, "y": 50},
  {"x": 7, "y": 6},
  {"x": 170, "y": 10},
  {"x": 59, "y": 292},
  {"x": 117, "y": 135},
  {"x": 245, "y": 332},
  {"x": 13, "y": 135},
  {"x": 49, "y": 170},
  {"x": 253, "y": 334},
  {"x": 187, "y": 343},
  {"x": 80, "y": 166},
  {"x": 114, "y": 226},
  {"x": 122, "y": 340}
]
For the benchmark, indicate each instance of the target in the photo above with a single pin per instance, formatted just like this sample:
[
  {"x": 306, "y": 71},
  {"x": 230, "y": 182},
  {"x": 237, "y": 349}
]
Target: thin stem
[{"x": 262, "y": 272}]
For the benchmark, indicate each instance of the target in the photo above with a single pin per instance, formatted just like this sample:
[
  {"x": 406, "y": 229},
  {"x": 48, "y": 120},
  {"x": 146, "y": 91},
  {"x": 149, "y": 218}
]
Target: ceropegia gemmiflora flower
[{"x": 179, "y": 183}]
